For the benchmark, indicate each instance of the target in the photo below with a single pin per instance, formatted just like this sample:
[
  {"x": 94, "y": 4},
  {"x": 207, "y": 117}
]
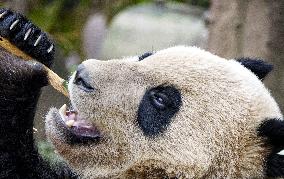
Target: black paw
[{"x": 26, "y": 36}]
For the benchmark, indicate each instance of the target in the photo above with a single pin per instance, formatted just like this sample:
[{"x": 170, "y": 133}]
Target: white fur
[{"x": 213, "y": 135}]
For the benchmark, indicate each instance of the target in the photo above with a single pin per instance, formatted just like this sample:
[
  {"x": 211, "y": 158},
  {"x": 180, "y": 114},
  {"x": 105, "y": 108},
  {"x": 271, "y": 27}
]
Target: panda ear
[
  {"x": 259, "y": 67},
  {"x": 273, "y": 131}
]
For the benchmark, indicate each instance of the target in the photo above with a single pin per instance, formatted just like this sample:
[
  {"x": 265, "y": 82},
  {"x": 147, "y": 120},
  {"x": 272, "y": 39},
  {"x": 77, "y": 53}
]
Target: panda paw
[
  {"x": 19, "y": 76},
  {"x": 22, "y": 33}
]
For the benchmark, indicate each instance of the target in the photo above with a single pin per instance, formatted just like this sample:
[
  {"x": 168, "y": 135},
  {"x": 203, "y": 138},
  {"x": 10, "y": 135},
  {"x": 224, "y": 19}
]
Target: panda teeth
[
  {"x": 70, "y": 123},
  {"x": 69, "y": 117},
  {"x": 62, "y": 111}
]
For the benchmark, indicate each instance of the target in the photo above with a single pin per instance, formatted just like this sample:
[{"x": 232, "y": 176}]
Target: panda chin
[{"x": 75, "y": 128}]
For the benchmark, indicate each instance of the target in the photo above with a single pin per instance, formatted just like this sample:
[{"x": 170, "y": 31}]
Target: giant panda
[{"x": 181, "y": 112}]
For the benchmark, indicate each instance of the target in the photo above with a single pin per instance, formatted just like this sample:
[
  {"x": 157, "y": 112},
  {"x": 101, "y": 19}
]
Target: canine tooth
[
  {"x": 63, "y": 109},
  {"x": 14, "y": 24},
  {"x": 3, "y": 14},
  {"x": 27, "y": 34},
  {"x": 37, "y": 40},
  {"x": 70, "y": 123}
]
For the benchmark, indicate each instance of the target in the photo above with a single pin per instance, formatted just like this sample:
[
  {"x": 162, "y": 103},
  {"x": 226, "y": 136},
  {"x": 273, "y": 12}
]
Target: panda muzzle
[{"x": 76, "y": 128}]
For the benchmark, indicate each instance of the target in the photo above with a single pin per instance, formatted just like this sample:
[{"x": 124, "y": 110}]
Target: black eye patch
[
  {"x": 157, "y": 107},
  {"x": 145, "y": 55}
]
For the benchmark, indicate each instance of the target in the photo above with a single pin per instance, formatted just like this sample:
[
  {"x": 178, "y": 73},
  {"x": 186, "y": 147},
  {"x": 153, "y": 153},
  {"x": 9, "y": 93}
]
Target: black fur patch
[
  {"x": 275, "y": 165},
  {"x": 273, "y": 131},
  {"x": 145, "y": 55},
  {"x": 82, "y": 79},
  {"x": 153, "y": 117},
  {"x": 16, "y": 34},
  {"x": 259, "y": 67},
  {"x": 20, "y": 84}
]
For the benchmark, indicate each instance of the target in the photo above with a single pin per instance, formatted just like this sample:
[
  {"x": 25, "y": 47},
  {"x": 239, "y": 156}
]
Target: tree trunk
[
  {"x": 251, "y": 28},
  {"x": 275, "y": 46}
]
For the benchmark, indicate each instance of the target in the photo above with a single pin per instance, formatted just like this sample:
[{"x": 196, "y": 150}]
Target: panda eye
[
  {"x": 159, "y": 100},
  {"x": 156, "y": 109},
  {"x": 81, "y": 81}
]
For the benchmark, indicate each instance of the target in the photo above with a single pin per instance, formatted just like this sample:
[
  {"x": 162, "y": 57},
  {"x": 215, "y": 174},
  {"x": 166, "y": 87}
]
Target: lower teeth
[{"x": 70, "y": 123}]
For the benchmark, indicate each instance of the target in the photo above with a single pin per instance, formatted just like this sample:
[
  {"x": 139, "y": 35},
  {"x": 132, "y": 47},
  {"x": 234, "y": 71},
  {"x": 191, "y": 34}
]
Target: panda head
[{"x": 180, "y": 112}]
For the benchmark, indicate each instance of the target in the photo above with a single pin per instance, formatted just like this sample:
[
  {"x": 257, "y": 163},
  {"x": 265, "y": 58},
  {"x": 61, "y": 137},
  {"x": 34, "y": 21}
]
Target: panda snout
[{"x": 82, "y": 79}]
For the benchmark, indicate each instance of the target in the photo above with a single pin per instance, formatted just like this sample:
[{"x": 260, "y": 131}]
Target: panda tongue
[
  {"x": 76, "y": 120},
  {"x": 80, "y": 126}
]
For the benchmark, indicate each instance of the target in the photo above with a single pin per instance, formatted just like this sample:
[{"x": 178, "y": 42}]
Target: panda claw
[
  {"x": 37, "y": 40},
  {"x": 24, "y": 35},
  {"x": 50, "y": 48},
  {"x": 14, "y": 24},
  {"x": 3, "y": 14},
  {"x": 27, "y": 34}
]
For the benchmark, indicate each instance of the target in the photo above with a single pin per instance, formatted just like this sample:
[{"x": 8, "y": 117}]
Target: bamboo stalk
[{"x": 54, "y": 80}]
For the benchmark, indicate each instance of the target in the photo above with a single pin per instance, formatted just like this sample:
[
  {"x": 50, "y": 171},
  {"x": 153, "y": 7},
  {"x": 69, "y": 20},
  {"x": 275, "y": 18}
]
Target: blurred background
[{"x": 107, "y": 29}]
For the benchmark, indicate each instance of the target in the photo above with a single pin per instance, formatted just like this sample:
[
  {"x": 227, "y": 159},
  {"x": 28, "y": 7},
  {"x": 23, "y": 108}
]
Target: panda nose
[
  {"x": 80, "y": 69},
  {"x": 82, "y": 79}
]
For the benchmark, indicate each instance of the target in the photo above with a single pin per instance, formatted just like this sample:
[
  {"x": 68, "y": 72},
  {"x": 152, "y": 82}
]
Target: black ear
[
  {"x": 259, "y": 67},
  {"x": 273, "y": 131},
  {"x": 145, "y": 55}
]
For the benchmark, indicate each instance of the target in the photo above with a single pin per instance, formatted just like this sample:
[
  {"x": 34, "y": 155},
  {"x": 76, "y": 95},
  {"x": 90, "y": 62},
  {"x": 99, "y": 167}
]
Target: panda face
[{"x": 178, "y": 112}]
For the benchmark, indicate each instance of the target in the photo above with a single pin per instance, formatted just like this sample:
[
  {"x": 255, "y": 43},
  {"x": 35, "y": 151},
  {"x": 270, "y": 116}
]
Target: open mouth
[{"x": 75, "y": 128}]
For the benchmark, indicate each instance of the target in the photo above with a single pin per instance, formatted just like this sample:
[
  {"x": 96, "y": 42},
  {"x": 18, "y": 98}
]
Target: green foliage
[
  {"x": 64, "y": 19},
  {"x": 47, "y": 151}
]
